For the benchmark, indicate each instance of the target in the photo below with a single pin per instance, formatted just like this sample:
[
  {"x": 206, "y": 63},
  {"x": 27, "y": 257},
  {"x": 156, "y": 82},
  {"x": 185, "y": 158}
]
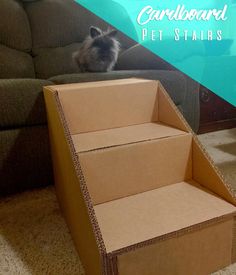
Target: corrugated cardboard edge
[
  {"x": 114, "y": 264},
  {"x": 90, "y": 210}
]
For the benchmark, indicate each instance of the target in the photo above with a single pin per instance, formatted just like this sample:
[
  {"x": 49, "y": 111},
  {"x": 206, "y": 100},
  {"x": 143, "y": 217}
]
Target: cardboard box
[{"x": 139, "y": 193}]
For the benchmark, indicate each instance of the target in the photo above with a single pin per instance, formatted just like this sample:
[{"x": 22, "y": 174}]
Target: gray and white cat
[{"x": 99, "y": 51}]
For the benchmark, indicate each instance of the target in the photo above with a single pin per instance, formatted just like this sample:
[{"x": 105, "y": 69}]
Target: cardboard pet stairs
[{"x": 139, "y": 194}]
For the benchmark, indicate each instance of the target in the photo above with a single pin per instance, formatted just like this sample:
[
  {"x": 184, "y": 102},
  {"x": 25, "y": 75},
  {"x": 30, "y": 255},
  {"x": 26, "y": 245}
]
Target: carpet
[
  {"x": 221, "y": 146},
  {"x": 34, "y": 239}
]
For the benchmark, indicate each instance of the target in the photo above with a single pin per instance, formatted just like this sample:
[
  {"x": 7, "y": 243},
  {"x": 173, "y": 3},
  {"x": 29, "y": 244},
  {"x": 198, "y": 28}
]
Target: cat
[{"x": 98, "y": 52}]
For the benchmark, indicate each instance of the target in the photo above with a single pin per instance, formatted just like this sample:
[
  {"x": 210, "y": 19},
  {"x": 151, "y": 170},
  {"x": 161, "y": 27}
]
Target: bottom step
[{"x": 190, "y": 226}]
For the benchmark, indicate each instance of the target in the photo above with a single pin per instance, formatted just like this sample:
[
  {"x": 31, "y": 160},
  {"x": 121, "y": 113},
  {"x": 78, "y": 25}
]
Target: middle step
[{"x": 118, "y": 170}]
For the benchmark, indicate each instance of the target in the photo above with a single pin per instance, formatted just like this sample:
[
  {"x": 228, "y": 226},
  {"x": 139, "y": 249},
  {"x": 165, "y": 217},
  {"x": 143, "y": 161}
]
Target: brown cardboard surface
[
  {"x": 138, "y": 158},
  {"x": 168, "y": 113},
  {"x": 154, "y": 213},
  {"x": 199, "y": 252},
  {"x": 109, "y": 106},
  {"x": 205, "y": 173},
  {"x": 69, "y": 191},
  {"x": 124, "y": 135},
  {"x": 122, "y": 171}
]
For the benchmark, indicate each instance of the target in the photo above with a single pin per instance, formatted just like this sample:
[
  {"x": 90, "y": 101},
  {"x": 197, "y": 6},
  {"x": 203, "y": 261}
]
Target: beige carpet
[
  {"x": 221, "y": 146},
  {"x": 34, "y": 239}
]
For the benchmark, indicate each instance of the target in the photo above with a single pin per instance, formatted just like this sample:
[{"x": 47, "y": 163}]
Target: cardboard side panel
[
  {"x": 206, "y": 174},
  {"x": 197, "y": 253},
  {"x": 69, "y": 192},
  {"x": 121, "y": 171},
  {"x": 168, "y": 112},
  {"x": 105, "y": 107}
]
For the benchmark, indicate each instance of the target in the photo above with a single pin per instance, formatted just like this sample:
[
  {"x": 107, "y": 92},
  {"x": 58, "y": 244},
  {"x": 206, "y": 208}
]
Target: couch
[{"x": 37, "y": 40}]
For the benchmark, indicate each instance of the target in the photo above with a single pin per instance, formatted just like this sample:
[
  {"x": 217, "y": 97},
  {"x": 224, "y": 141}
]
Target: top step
[{"x": 115, "y": 104}]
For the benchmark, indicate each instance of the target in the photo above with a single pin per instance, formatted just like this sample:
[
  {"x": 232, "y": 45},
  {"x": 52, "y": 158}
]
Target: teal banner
[{"x": 197, "y": 37}]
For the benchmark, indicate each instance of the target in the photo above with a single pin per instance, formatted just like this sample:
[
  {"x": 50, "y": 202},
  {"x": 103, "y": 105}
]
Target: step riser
[
  {"x": 199, "y": 252},
  {"x": 109, "y": 107},
  {"x": 131, "y": 169}
]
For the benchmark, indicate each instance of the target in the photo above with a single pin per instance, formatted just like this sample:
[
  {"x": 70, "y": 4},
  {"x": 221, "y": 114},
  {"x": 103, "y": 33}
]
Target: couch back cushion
[
  {"x": 15, "y": 41},
  {"x": 15, "y": 64},
  {"x": 14, "y": 26},
  {"x": 57, "y": 26},
  {"x": 56, "y": 61}
]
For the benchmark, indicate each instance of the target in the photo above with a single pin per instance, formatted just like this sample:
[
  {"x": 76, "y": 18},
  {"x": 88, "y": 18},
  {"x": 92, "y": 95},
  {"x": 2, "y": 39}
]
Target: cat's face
[{"x": 104, "y": 44}]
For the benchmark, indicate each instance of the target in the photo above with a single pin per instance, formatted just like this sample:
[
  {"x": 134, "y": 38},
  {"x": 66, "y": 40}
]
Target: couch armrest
[{"x": 22, "y": 102}]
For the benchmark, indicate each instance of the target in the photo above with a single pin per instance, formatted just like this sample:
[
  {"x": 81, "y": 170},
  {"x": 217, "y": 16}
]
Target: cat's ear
[
  {"x": 112, "y": 33},
  {"x": 94, "y": 31}
]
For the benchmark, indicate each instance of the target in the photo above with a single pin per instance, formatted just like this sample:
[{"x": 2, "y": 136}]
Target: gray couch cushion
[
  {"x": 22, "y": 102},
  {"x": 53, "y": 23},
  {"x": 14, "y": 26},
  {"x": 55, "y": 61},
  {"x": 15, "y": 64},
  {"x": 173, "y": 81},
  {"x": 65, "y": 22}
]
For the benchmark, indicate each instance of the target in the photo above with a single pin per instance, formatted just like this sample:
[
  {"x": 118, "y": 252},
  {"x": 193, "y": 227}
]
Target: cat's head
[{"x": 104, "y": 43}]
